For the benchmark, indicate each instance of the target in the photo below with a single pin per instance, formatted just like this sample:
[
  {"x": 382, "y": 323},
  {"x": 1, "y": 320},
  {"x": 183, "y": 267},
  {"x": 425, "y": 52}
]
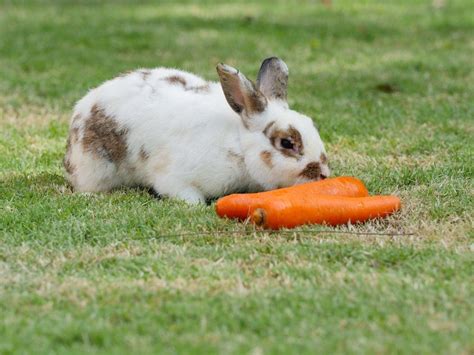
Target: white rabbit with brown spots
[{"x": 191, "y": 139}]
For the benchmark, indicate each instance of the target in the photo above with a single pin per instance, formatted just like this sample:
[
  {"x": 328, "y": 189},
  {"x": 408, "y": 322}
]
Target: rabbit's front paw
[{"x": 191, "y": 195}]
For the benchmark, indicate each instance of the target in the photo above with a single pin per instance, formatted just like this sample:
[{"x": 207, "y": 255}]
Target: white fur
[{"x": 194, "y": 140}]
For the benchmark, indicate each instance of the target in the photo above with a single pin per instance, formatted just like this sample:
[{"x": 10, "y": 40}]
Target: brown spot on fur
[
  {"x": 103, "y": 137},
  {"x": 71, "y": 139},
  {"x": 76, "y": 118},
  {"x": 68, "y": 166},
  {"x": 143, "y": 154},
  {"x": 239, "y": 159},
  {"x": 291, "y": 134},
  {"x": 323, "y": 158},
  {"x": 199, "y": 89},
  {"x": 267, "y": 128},
  {"x": 266, "y": 157},
  {"x": 312, "y": 171},
  {"x": 255, "y": 102},
  {"x": 176, "y": 79},
  {"x": 74, "y": 134},
  {"x": 179, "y": 80},
  {"x": 68, "y": 144}
]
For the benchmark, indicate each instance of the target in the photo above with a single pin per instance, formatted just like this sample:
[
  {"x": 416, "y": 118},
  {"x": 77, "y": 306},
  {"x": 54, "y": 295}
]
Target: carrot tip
[{"x": 259, "y": 216}]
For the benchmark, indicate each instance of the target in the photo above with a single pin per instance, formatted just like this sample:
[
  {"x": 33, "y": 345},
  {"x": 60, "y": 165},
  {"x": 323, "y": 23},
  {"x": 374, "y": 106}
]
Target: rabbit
[{"x": 191, "y": 139}]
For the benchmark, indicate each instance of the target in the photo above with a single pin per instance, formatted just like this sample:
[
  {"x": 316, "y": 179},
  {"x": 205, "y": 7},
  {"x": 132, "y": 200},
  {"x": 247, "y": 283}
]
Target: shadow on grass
[{"x": 40, "y": 184}]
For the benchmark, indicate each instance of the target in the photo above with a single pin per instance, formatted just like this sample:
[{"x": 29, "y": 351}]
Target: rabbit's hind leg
[{"x": 89, "y": 174}]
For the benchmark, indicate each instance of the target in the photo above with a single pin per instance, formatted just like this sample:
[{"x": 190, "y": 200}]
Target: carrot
[
  {"x": 242, "y": 205},
  {"x": 293, "y": 211}
]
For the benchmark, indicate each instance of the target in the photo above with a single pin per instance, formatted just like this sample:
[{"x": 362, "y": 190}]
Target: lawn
[{"x": 390, "y": 86}]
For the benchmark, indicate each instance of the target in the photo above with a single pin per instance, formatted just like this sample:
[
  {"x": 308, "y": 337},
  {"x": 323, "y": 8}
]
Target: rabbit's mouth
[{"x": 315, "y": 171}]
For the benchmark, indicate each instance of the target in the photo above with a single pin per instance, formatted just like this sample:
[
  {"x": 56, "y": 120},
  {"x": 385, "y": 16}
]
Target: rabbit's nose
[{"x": 312, "y": 171}]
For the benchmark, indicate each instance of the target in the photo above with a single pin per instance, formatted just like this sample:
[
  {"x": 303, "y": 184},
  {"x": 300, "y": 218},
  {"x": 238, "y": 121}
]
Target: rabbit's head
[{"x": 281, "y": 147}]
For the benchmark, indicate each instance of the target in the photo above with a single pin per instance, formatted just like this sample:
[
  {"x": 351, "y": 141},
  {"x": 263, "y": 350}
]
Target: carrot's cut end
[{"x": 259, "y": 217}]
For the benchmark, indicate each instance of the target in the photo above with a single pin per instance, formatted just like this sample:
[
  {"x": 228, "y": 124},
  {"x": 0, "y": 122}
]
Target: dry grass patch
[{"x": 30, "y": 116}]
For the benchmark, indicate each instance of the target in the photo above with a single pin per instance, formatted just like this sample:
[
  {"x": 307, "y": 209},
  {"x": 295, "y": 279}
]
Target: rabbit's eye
[{"x": 286, "y": 143}]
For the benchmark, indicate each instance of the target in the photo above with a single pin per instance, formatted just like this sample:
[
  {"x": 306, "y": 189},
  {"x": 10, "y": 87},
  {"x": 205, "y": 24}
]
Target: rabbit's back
[
  {"x": 151, "y": 123},
  {"x": 151, "y": 94}
]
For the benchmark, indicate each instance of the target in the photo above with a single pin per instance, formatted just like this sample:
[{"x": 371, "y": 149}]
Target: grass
[{"x": 390, "y": 86}]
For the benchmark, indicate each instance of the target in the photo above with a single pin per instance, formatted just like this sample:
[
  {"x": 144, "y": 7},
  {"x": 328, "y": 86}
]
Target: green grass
[{"x": 119, "y": 272}]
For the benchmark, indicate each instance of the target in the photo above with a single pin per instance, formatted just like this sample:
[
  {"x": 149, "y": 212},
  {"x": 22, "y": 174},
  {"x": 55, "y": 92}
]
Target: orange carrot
[
  {"x": 242, "y": 205},
  {"x": 294, "y": 211}
]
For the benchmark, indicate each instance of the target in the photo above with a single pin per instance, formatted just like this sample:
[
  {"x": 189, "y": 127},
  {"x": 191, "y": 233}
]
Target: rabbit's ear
[
  {"x": 272, "y": 78},
  {"x": 241, "y": 93}
]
